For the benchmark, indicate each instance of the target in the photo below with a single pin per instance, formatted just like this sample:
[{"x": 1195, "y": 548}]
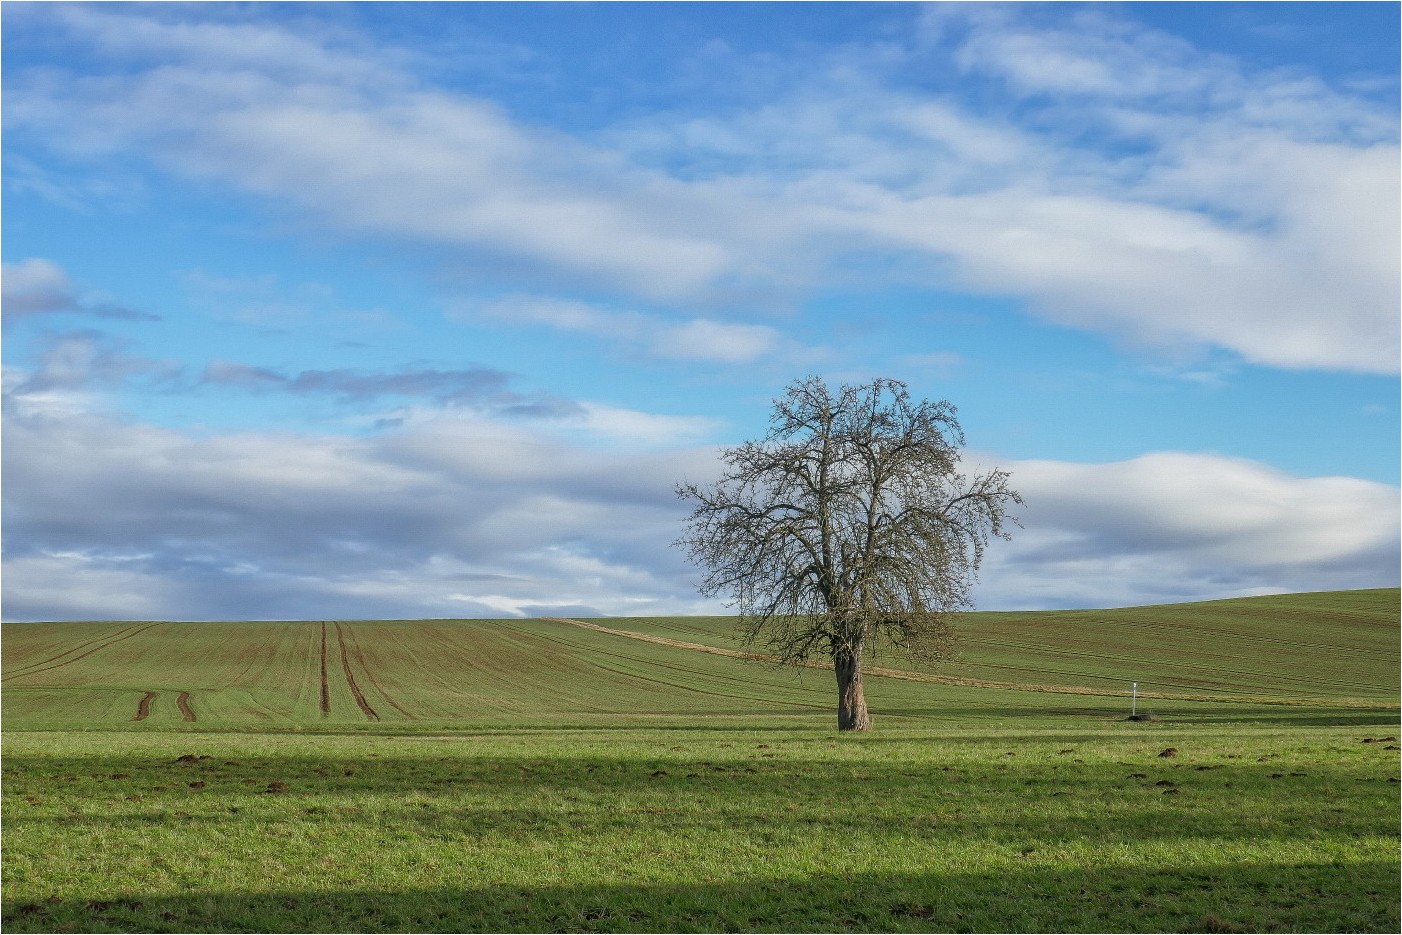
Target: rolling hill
[{"x": 1336, "y": 649}]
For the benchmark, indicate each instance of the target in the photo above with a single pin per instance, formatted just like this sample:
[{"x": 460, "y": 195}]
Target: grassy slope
[
  {"x": 1341, "y": 645},
  {"x": 410, "y": 673},
  {"x": 536, "y": 776}
]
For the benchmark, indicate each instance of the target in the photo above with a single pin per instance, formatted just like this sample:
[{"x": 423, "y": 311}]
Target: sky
[{"x": 422, "y": 310}]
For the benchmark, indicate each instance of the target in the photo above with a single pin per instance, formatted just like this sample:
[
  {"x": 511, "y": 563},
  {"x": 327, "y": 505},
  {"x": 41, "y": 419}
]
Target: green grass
[
  {"x": 537, "y": 776},
  {"x": 1341, "y": 644},
  {"x": 1339, "y": 648},
  {"x": 1265, "y": 829}
]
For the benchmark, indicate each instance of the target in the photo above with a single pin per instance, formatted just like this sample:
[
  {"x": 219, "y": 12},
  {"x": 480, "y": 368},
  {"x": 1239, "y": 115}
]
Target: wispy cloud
[
  {"x": 38, "y": 287},
  {"x": 473, "y": 386},
  {"x": 1123, "y": 182},
  {"x": 352, "y": 140},
  {"x": 631, "y": 427},
  {"x": 1113, "y": 178},
  {"x": 35, "y": 286},
  {"x": 695, "y": 339},
  {"x": 88, "y": 360}
]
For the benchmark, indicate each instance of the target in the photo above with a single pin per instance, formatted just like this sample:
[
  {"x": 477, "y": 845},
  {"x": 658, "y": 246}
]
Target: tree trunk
[{"x": 851, "y": 704}]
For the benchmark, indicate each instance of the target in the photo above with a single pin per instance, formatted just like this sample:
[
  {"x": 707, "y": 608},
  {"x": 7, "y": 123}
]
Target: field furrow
[
  {"x": 662, "y": 640},
  {"x": 685, "y": 677},
  {"x": 143, "y": 707},
  {"x": 359, "y": 696},
  {"x": 325, "y": 686},
  {"x": 24, "y": 667},
  {"x": 182, "y": 701},
  {"x": 112, "y": 642},
  {"x": 370, "y": 674}
]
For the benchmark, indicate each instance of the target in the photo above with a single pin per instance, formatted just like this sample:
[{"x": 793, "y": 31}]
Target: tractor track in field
[
  {"x": 143, "y": 707},
  {"x": 72, "y": 649},
  {"x": 904, "y": 675},
  {"x": 364, "y": 705},
  {"x": 666, "y": 641},
  {"x": 325, "y": 688},
  {"x": 112, "y": 642},
  {"x": 675, "y": 668},
  {"x": 182, "y": 701},
  {"x": 364, "y": 667}
]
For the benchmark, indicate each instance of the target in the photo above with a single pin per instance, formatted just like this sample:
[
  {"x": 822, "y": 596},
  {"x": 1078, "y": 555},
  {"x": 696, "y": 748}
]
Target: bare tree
[{"x": 847, "y": 527}]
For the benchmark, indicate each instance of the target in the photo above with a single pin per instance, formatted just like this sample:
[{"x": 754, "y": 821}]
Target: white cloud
[
  {"x": 1120, "y": 180},
  {"x": 632, "y": 426},
  {"x": 421, "y": 521},
  {"x": 362, "y": 147},
  {"x": 462, "y": 514},
  {"x": 79, "y": 586},
  {"x": 701, "y": 339},
  {"x": 566, "y": 315},
  {"x": 697, "y": 339},
  {"x": 35, "y": 286},
  {"x": 1167, "y": 277},
  {"x": 1173, "y": 526},
  {"x": 77, "y": 361},
  {"x": 1145, "y": 189},
  {"x": 1098, "y": 58}
]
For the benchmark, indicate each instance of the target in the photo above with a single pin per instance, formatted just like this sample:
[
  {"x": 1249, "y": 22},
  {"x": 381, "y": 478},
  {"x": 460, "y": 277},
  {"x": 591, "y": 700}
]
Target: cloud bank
[
  {"x": 462, "y": 514},
  {"x": 1171, "y": 527}
]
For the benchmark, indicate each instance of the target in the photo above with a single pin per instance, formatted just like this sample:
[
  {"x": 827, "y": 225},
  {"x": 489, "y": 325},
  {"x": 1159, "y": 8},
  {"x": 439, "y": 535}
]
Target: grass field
[
  {"x": 543, "y": 776},
  {"x": 1243, "y": 648}
]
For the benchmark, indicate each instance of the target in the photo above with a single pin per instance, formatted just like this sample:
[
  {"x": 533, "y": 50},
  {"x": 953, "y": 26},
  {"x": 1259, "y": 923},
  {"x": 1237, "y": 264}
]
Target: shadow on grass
[{"x": 1206, "y": 898}]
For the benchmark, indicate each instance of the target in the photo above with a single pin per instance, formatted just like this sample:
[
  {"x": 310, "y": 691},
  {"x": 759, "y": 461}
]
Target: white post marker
[{"x": 1133, "y": 697}]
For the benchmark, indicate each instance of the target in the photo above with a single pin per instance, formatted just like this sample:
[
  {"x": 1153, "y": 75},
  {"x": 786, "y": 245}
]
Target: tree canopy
[{"x": 848, "y": 525}]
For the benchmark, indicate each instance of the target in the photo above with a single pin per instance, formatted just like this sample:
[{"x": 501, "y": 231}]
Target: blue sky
[{"x": 421, "y": 309}]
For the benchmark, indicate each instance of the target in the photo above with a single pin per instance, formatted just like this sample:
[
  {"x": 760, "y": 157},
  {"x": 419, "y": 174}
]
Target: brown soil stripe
[
  {"x": 73, "y": 649},
  {"x": 360, "y": 657},
  {"x": 365, "y": 708},
  {"x": 95, "y": 649},
  {"x": 143, "y": 707},
  {"x": 983, "y": 683},
  {"x": 182, "y": 701},
  {"x": 325, "y": 689}
]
